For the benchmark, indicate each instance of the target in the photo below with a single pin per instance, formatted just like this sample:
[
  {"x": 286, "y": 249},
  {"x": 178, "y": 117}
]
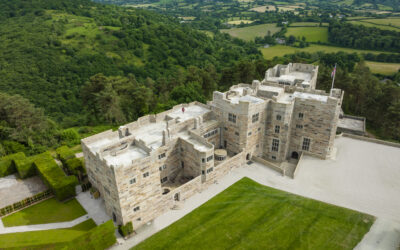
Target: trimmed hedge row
[
  {"x": 64, "y": 153},
  {"x": 126, "y": 229},
  {"x": 63, "y": 186},
  {"x": 7, "y": 163},
  {"x": 100, "y": 237},
  {"x": 75, "y": 165},
  {"x": 25, "y": 167}
]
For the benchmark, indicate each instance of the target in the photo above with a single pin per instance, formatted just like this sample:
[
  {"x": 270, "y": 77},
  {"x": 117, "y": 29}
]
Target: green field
[
  {"x": 312, "y": 34},
  {"x": 248, "y": 215},
  {"x": 281, "y": 50},
  {"x": 251, "y": 32},
  {"x": 368, "y": 24},
  {"x": 47, "y": 211},
  {"x": 308, "y": 24},
  {"x": 29, "y": 240},
  {"x": 383, "y": 68}
]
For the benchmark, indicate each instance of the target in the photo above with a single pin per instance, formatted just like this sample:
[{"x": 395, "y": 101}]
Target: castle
[{"x": 152, "y": 164}]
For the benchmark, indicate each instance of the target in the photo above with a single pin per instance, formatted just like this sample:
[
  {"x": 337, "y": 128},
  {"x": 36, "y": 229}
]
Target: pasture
[
  {"x": 251, "y": 32},
  {"x": 248, "y": 215},
  {"x": 281, "y": 50},
  {"x": 312, "y": 34},
  {"x": 383, "y": 68}
]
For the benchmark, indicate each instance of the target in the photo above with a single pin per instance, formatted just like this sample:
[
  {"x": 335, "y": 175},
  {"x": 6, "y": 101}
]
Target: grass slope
[
  {"x": 371, "y": 23},
  {"x": 248, "y": 215},
  {"x": 52, "y": 237},
  {"x": 281, "y": 50},
  {"x": 383, "y": 68},
  {"x": 47, "y": 211},
  {"x": 251, "y": 32},
  {"x": 312, "y": 34}
]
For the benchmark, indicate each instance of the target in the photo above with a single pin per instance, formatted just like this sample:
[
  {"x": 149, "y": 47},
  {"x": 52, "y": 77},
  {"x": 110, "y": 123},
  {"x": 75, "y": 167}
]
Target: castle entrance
[{"x": 295, "y": 155}]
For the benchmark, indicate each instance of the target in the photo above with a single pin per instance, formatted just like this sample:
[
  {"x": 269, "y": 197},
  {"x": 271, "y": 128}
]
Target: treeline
[
  {"x": 382, "y": 57},
  {"x": 362, "y": 37},
  {"x": 365, "y": 95}
]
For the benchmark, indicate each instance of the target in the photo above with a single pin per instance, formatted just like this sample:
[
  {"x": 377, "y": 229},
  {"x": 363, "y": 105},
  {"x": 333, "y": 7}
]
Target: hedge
[
  {"x": 7, "y": 163},
  {"x": 25, "y": 167},
  {"x": 100, "y": 237},
  {"x": 126, "y": 229},
  {"x": 64, "y": 153},
  {"x": 63, "y": 186},
  {"x": 75, "y": 165}
]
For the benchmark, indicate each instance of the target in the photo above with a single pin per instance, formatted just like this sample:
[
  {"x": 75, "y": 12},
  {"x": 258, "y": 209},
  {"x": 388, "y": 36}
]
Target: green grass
[
  {"x": 251, "y": 32},
  {"x": 281, "y": 50},
  {"x": 47, "y": 211},
  {"x": 308, "y": 24},
  {"x": 312, "y": 34},
  {"x": 51, "y": 237},
  {"x": 383, "y": 68},
  {"x": 248, "y": 215},
  {"x": 379, "y": 23}
]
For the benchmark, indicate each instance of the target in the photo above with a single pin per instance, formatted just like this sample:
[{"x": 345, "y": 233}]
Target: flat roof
[
  {"x": 302, "y": 95},
  {"x": 271, "y": 88},
  {"x": 246, "y": 98},
  {"x": 126, "y": 157},
  {"x": 190, "y": 112}
]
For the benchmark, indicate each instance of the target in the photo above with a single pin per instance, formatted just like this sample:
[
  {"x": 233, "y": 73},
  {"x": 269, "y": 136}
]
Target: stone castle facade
[{"x": 156, "y": 162}]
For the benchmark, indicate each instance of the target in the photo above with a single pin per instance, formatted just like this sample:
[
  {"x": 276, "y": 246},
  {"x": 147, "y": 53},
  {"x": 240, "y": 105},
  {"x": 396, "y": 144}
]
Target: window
[
  {"x": 161, "y": 156},
  {"x": 226, "y": 128},
  {"x": 254, "y": 118},
  {"x": 210, "y": 170},
  {"x": 277, "y": 129},
  {"x": 232, "y": 118},
  {"x": 301, "y": 115},
  {"x": 237, "y": 133},
  {"x": 210, "y": 133},
  {"x": 203, "y": 172},
  {"x": 278, "y": 117},
  {"x": 306, "y": 144},
  {"x": 203, "y": 160},
  {"x": 146, "y": 174},
  {"x": 273, "y": 157},
  {"x": 164, "y": 179},
  {"x": 258, "y": 129},
  {"x": 209, "y": 158},
  {"x": 249, "y": 134},
  {"x": 275, "y": 145},
  {"x": 163, "y": 167},
  {"x": 299, "y": 126},
  {"x": 132, "y": 181},
  {"x": 136, "y": 209}
]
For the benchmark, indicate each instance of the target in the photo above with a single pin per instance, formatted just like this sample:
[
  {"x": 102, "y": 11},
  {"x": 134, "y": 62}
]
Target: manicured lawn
[
  {"x": 47, "y": 211},
  {"x": 40, "y": 238},
  {"x": 248, "y": 215},
  {"x": 383, "y": 68},
  {"x": 251, "y": 32},
  {"x": 281, "y": 50},
  {"x": 312, "y": 34}
]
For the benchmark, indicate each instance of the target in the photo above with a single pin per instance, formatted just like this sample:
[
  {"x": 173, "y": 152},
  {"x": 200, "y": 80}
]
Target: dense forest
[
  {"x": 362, "y": 37},
  {"x": 49, "y": 49}
]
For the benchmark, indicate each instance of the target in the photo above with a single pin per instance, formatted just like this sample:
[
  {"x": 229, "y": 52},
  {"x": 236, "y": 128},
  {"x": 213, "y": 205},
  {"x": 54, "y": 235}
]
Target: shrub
[
  {"x": 25, "y": 167},
  {"x": 75, "y": 165},
  {"x": 70, "y": 136},
  {"x": 100, "y": 237},
  {"x": 7, "y": 163},
  {"x": 126, "y": 229},
  {"x": 64, "y": 153},
  {"x": 63, "y": 186}
]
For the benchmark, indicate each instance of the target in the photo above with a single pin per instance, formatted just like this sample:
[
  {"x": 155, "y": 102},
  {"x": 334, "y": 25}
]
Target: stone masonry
[{"x": 156, "y": 162}]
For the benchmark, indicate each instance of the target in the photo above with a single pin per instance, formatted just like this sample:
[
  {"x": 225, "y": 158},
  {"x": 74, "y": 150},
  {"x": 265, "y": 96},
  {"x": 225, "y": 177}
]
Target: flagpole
[{"x": 333, "y": 80}]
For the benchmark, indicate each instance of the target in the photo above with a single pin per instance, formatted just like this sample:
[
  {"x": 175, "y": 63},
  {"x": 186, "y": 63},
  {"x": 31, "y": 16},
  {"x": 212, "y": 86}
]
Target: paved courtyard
[
  {"x": 364, "y": 176},
  {"x": 13, "y": 190}
]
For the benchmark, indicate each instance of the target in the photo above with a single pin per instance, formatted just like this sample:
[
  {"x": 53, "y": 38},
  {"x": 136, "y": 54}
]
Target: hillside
[{"x": 50, "y": 48}]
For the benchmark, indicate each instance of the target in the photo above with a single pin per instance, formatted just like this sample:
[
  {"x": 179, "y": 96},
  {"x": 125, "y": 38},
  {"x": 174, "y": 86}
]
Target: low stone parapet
[{"x": 269, "y": 164}]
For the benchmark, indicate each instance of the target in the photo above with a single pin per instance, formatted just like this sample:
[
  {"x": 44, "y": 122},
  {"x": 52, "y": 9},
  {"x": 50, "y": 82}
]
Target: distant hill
[{"x": 50, "y": 48}]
